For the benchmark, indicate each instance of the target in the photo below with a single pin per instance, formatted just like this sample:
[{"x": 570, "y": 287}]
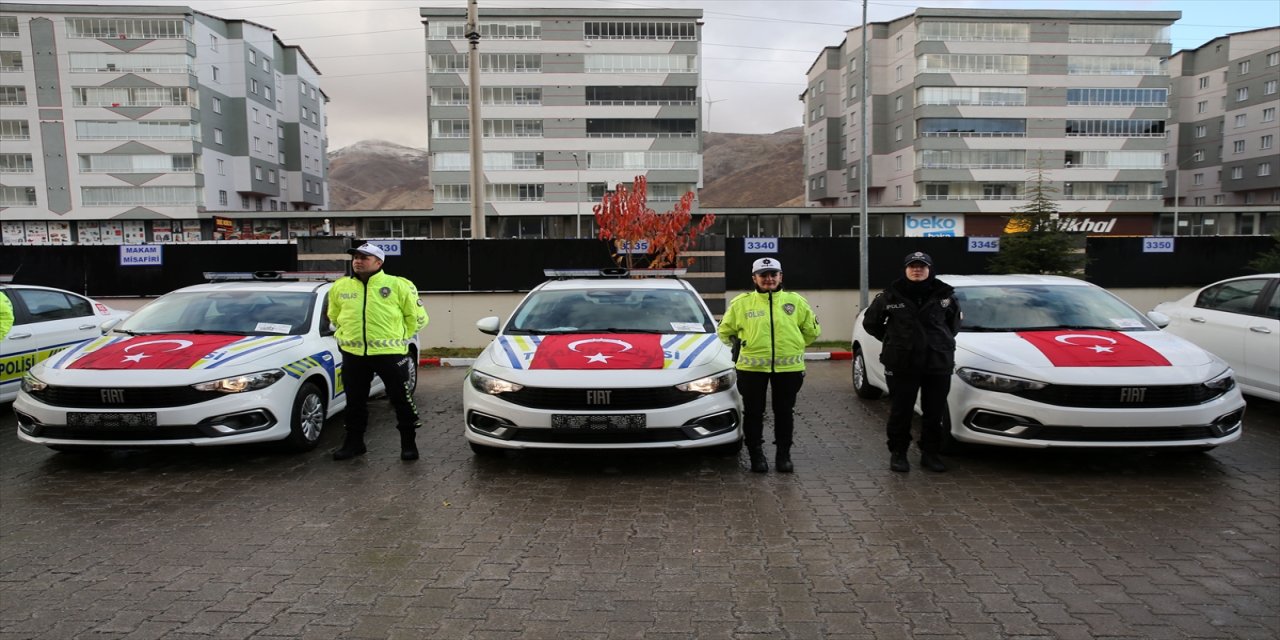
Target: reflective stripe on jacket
[
  {"x": 774, "y": 328},
  {"x": 376, "y": 318}
]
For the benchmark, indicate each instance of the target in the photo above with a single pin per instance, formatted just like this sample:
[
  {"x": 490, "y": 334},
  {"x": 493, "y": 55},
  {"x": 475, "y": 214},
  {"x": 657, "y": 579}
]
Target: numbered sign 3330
[
  {"x": 1157, "y": 245},
  {"x": 760, "y": 245}
]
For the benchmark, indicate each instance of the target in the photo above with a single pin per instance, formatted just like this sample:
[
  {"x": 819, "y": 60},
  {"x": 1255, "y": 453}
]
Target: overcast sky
[{"x": 755, "y": 52}]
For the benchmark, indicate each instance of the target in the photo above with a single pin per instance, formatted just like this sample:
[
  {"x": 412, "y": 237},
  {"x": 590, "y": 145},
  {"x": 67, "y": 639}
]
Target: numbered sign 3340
[{"x": 760, "y": 245}]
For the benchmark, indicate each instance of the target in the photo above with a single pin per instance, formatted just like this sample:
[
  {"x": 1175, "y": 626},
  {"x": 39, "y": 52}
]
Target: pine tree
[{"x": 1035, "y": 239}]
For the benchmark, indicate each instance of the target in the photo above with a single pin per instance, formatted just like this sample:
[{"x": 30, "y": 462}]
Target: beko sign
[{"x": 923, "y": 225}]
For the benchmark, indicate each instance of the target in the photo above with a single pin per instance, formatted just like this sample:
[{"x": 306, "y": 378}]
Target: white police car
[
  {"x": 248, "y": 358},
  {"x": 46, "y": 321},
  {"x": 601, "y": 360},
  {"x": 1049, "y": 361}
]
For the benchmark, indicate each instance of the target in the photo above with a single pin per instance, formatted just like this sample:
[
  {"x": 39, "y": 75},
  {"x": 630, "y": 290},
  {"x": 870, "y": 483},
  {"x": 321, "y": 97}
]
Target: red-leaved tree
[{"x": 625, "y": 219}]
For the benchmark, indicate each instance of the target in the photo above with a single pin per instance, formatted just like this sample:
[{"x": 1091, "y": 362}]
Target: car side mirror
[
  {"x": 1160, "y": 319},
  {"x": 108, "y": 325},
  {"x": 489, "y": 325},
  {"x": 328, "y": 329}
]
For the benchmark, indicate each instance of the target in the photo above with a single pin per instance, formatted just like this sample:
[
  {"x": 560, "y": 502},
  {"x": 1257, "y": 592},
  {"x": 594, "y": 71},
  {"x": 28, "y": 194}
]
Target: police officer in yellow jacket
[
  {"x": 376, "y": 315},
  {"x": 6, "y": 315},
  {"x": 773, "y": 327}
]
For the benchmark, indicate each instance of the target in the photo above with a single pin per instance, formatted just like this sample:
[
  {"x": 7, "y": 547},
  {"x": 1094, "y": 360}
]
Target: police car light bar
[
  {"x": 6, "y": 277},
  {"x": 611, "y": 272},
  {"x": 227, "y": 276}
]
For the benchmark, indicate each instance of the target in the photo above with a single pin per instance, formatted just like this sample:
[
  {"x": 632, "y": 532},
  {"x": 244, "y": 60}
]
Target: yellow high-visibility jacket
[
  {"x": 6, "y": 315},
  {"x": 774, "y": 329},
  {"x": 376, "y": 318}
]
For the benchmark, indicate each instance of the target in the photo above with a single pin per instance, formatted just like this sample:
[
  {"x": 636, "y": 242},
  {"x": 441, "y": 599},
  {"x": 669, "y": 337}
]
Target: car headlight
[
  {"x": 240, "y": 384},
  {"x": 1220, "y": 383},
  {"x": 485, "y": 383},
  {"x": 997, "y": 382},
  {"x": 32, "y": 384},
  {"x": 711, "y": 384}
]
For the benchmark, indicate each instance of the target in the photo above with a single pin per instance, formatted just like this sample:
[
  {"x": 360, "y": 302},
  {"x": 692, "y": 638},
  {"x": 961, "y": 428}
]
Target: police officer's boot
[
  {"x": 352, "y": 446},
  {"x": 758, "y": 462},
  {"x": 408, "y": 448},
  {"x": 784, "y": 459}
]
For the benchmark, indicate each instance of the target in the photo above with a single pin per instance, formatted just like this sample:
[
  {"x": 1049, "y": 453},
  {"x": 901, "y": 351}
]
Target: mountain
[{"x": 739, "y": 170}]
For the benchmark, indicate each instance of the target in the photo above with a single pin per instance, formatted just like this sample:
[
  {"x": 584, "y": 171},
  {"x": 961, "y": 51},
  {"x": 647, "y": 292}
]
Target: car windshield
[
  {"x": 229, "y": 312},
  {"x": 611, "y": 310},
  {"x": 1032, "y": 307}
]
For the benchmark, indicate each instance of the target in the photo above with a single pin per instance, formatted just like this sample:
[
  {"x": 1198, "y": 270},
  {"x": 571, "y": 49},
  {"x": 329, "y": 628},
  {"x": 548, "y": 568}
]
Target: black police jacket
[{"x": 918, "y": 337}]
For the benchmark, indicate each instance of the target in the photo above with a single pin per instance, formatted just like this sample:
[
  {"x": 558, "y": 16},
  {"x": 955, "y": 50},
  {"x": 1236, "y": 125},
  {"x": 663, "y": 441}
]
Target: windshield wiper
[
  {"x": 215, "y": 332},
  {"x": 1075, "y": 327}
]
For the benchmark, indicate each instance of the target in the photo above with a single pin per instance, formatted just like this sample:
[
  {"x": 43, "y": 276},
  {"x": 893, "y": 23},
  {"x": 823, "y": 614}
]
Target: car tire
[
  {"x": 483, "y": 451},
  {"x": 861, "y": 385},
  {"x": 951, "y": 446},
  {"x": 411, "y": 373},
  {"x": 306, "y": 420},
  {"x": 728, "y": 449}
]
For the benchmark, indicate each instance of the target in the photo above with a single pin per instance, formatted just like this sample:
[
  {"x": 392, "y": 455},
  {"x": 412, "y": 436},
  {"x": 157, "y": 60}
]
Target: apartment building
[
  {"x": 965, "y": 107},
  {"x": 574, "y": 102},
  {"x": 1222, "y": 158},
  {"x": 124, "y": 123}
]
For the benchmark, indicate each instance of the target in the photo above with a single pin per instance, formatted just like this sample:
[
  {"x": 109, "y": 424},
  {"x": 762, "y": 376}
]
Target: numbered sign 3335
[
  {"x": 1157, "y": 245},
  {"x": 639, "y": 246},
  {"x": 760, "y": 245}
]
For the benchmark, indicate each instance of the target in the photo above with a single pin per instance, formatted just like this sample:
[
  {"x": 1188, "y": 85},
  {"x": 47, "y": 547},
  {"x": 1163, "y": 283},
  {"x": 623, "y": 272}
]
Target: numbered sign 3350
[
  {"x": 760, "y": 245},
  {"x": 1157, "y": 245}
]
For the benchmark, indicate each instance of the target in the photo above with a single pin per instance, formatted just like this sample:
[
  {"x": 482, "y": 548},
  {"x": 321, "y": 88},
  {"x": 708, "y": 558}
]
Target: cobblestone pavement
[{"x": 1010, "y": 544}]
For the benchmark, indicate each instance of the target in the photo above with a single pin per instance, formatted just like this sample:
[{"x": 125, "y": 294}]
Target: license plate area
[
  {"x": 599, "y": 422},
  {"x": 111, "y": 420}
]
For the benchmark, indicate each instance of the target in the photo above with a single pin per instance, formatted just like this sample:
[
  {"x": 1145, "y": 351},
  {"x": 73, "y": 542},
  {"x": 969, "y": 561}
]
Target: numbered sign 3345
[{"x": 760, "y": 245}]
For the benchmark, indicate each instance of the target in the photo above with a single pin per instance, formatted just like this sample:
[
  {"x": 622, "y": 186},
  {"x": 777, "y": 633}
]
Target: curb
[{"x": 466, "y": 362}]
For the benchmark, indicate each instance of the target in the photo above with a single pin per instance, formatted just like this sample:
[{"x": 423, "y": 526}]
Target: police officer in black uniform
[{"x": 917, "y": 318}]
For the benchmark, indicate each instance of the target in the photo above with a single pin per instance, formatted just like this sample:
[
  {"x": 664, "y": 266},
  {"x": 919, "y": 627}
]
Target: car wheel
[
  {"x": 728, "y": 449},
  {"x": 307, "y": 418},
  {"x": 485, "y": 451},
  {"x": 951, "y": 446},
  {"x": 411, "y": 371},
  {"x": 863, "y": 388}
]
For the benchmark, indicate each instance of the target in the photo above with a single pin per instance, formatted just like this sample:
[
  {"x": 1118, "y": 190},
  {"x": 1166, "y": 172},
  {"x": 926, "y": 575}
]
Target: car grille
[
  {"x": 98, "y": 433},
  {"x": 128, "y": 398},
  {"x": 616, "y": 437},
  {"x": 1122, "y": 434},
  {"x": 1116, "y": 397},
  {"x": 577, "y": 399}
]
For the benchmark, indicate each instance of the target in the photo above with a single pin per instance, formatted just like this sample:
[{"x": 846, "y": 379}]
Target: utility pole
[
  {"x": 476, "y": 124},
  {"x": 864, "y": 278},
  {"x": 577, "y": 207}
]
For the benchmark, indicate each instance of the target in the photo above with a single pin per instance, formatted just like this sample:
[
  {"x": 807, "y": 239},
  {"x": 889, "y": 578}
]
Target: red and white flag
[
  {"x": 159, "y": 351},
  {"x": 1093, "y": 349},
  {"x": 609, "y": 351}
]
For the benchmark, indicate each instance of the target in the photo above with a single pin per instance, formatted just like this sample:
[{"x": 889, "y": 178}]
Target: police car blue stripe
[
  {"x": 249, "y": 351},
  {"x": 694, "y": 354},
  {"x": 506, "y": 346},
  {"x": 674, "y": 339},
  {"x": 70, "y": 352}
]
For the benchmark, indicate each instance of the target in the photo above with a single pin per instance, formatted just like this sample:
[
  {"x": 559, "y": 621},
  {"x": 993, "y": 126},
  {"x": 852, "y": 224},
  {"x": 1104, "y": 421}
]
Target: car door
[
  {"x": 45, "y": 321},
  {"x": 1262, "y": 344},
  {"x": 1220, "y": 321}
]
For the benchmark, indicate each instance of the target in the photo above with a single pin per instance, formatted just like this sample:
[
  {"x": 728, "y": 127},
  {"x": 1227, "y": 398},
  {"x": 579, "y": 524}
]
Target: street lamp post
[{"x": 577, "y": 206}]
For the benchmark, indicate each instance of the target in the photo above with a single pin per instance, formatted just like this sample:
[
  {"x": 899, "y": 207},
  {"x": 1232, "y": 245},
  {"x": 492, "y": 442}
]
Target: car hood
[
  {"x": 1083, "y": 350},
  {"x": 170, "y": 352},
  {"x": 605, "y": 351}
]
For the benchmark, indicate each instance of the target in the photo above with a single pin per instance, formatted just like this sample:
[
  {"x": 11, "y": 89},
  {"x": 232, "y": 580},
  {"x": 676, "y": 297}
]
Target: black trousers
[
  {"x": 357, "y": 377},
  {"x": 753, "y": 385},
  {"x": 932, "y": 388}
]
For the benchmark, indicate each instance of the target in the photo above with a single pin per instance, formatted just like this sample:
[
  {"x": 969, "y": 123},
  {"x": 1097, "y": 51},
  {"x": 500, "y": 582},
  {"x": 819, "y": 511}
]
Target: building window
[
  {"x": 217, "y": 136},
  {"x": 1237, "y": 173},
  {"x": 971, "y": 63},
  {"x": 257, "y": 172},
  {"x": 1115, "y": 66},
  {"x": 137, "y": 130},
  {"x": 222, "y": 168},
  {"x": 1273, "y": 59},
  {"x": 115, "y": 196},
  {"x": 897, "y": 73},
  {"x": 897, "y": 103},
  {"x": 222, "y": 197},
  {"x": 897, "y": 192},
  {"x": 16, "y": 163},
  {"x": 1219, "y": 198},
  {"x": 975, "y": 31},
  {"x": 897, "y": 163},
  {"x": 1241, "y": 119},
  {"x": 1242, "y": 94},
  {"x": 127, "y": 28},
  {"x": 1197, "y": 178},
  {"x": 271, "y": 176},
  {"x": 217, "y": 105},
  {"x": 1237, "y": 146},
  {"x": 1269, "y": 114},
  {"x": 1266, "y": 141},
  {"x": 1202, "y": 106},
  {"x": 619, "y": 63},
  {"x": 8, "y": 26},
  {"x": 1204, "y": 82},
  {"x": 131, "y": 96},
  {"x": 10, "y": 61},
  {"x": 1007, "y": 96},
  {"x": 1243, "y": 67},
  {"x": 1269, "y": 87},
  {"x": 1198, "y": 156},
  {"x": 525, "y": 30},
  {"x": 257, "y": 143},
  {"x": 266, "y": 92},
  {"x": 1198, "y": 201},
  {"x": 266, "y": 64},
  {"x": 17, "y": 196},
  {"x": 1264, "y": 169},
  {"x": 1201, "y": 131},
  {"x": 253, "y": 86},
  {"x": 253, "y": 57},
  {"x": 897, "y": 132},
  {"x": 13, "y": 96},
  {"x": 128, "y": 163}
]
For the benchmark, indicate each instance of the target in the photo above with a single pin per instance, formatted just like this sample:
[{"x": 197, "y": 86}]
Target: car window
[
  {"x": 43, "y": 306},
  {"x": 1236, "y": 296},
  {"x": 1273, "y": 305},
  {"x": 1023, "y": 307},
  {"x": 581, "y": 310},
  {"x": 236, "y": 312}
]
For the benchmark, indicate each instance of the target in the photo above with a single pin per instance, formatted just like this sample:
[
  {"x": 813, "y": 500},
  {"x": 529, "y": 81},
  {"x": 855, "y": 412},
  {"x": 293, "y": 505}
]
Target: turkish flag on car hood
[
  {"x": 158, "y": 351},
  {"x": 1093, "y": 349},
  {"x": 606, "y": 351}
]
